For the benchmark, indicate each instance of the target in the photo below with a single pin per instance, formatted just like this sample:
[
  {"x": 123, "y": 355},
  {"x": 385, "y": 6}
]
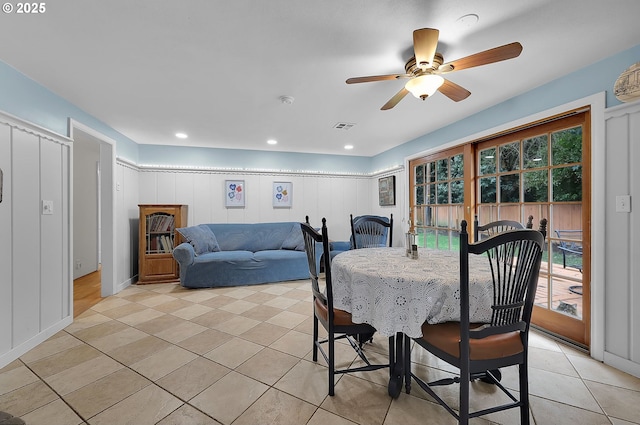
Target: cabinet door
[
  {"x": 160, "y": 233},
  {"x": 157, "y": 240}
]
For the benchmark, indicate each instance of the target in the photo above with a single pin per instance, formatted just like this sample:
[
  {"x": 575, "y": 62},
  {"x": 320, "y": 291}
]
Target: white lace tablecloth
[{"x": 393, "y": 293}]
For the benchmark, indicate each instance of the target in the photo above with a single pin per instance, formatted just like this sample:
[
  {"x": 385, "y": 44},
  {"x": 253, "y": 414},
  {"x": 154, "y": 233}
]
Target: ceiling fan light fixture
[{"x": 424, "y": 86}]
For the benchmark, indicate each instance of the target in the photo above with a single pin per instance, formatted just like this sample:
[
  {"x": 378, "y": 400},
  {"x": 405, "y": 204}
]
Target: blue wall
[
  {"x": 26, "y": 99},
  {"x": 236, "y": 158}
]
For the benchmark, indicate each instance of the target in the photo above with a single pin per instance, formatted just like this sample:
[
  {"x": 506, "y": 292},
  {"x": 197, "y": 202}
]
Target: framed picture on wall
[
  {"x": 282, "y": 194},
  {"x": 234, "y": 193},
  {"x": 387, "y": 191}
]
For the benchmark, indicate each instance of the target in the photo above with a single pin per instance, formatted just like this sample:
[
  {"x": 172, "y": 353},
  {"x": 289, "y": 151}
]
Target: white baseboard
[
  {"x": 31, "y": 343},
  {"x": 622, "y": 364},
  {"x": 126, "y": 283}
]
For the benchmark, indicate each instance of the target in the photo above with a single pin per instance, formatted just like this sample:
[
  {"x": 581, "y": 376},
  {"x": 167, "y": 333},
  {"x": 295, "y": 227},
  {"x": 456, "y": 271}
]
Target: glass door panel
[
  {"x": 437, "y": 199},
  {"x": 539, "y": 172},
  {"x": 510, "y": 212}
]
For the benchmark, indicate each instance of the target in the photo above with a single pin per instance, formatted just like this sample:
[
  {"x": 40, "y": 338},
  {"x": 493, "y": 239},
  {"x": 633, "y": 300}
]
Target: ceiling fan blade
[
  {"x": 497, "y": 54},
  {"x": 425, "y": 42},
  {"x": 453, "y": 91},
  {"x": 395, "y": 99},
  {"x": 376, "y": 78}
]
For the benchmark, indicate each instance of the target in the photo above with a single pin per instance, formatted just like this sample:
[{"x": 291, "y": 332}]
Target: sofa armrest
[
  {"x": 340, "y": 246},
  {"x": 184, "y": 254}
]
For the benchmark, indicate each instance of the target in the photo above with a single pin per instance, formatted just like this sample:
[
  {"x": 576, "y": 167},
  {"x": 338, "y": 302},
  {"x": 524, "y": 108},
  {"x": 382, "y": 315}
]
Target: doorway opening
[{"x": 105, "y": 204}]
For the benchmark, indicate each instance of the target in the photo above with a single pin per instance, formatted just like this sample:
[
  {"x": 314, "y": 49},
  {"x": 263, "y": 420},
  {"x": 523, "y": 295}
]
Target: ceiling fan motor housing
[{"x": 412, "y": 68}]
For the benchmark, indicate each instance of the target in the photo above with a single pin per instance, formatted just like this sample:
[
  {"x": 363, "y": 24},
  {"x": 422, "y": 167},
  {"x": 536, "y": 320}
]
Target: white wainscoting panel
[
  {"x": 622, "y": 239},
  {"x": 25, "y": 205},
  {"x": 6, "y": 254},
  {"x": 331, "y": 196},
  {"x": 35, "y": 292}
]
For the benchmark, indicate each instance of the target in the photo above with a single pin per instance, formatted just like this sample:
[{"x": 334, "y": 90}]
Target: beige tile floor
[{"x": 161, "y": 354}]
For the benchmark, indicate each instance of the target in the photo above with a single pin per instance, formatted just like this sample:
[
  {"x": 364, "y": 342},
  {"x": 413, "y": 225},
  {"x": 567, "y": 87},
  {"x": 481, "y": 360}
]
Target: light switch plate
[
  {"x": 47, "y": 207},
  {"x": 623, "y": 203}
]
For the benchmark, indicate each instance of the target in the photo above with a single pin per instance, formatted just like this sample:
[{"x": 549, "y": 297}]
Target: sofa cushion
[
  {"x": 251, "y": 236},
  {"x": 295, "y": 240},
  {"x": 201, "y": 238}
]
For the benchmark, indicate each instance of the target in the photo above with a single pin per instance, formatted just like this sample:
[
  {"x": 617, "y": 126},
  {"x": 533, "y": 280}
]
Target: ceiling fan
[{"x": 425, "y": 68}]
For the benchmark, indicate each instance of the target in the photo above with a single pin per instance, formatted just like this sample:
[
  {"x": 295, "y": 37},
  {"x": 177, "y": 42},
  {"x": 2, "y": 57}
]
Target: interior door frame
[{"x": 107, "y": 238}]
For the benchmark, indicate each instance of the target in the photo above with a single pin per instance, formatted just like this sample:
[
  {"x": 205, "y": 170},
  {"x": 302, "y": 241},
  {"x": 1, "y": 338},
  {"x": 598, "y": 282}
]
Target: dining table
[{"x": 396, "y": 294}]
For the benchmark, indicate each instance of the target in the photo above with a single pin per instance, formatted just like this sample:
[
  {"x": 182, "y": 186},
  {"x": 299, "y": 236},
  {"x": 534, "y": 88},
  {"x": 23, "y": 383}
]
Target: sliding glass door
[{"x": 541, "y": 171}]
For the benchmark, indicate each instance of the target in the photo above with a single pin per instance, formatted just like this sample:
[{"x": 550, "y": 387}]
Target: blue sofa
[{"x": 229, "y": 254}]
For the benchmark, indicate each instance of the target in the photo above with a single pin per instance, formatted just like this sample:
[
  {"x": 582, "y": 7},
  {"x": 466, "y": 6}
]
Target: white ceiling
[{"x": 216, "y": 69}]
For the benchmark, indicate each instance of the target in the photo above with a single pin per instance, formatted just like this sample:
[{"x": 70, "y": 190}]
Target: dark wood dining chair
[
  {"x": 487, "y": 230},
  {"x": 371, "y": 231},
  {"x": 473, "y": 348},
  {"x": 337, "y": 323}
]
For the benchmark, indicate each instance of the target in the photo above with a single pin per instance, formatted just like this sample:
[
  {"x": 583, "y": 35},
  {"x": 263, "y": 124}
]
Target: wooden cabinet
[{"x": 158, "y": 237}]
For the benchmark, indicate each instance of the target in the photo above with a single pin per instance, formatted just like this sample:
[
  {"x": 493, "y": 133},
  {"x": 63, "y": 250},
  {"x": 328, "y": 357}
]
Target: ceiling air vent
[{"x": 343, "y": 126}]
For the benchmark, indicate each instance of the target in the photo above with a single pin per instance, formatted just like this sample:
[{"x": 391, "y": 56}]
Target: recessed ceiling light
[
  {"x": 286, "y": 100},
  {"x": 467, "y": 21},
  {"x": 181, "y": 135},
  {"x": 272, "y": 142},
  {"x": 348, "y": 147}
]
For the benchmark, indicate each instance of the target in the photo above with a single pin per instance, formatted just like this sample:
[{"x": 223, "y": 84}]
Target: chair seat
[
  {"x": 446, "y": 337},
  {"x": 340, "y": 317}
]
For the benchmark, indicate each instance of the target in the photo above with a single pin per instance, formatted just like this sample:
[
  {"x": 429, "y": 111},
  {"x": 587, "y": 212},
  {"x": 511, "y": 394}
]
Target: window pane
[
  {"x": 457, "y": 192},
  {"x": 443, "y": 193},
  {"x": 488, "y": 161},
  {"x": 420, "y": 174},
  {"x": 443, "y": 169},
  {"x": 431, "y": 174},
  {"x": 430, "y": 194},
  {"x": 567, "y": 217},
  {"x": 535, "y": 152},
  {"x": 536, "y": 186},
  {"x": 457, "y": 167},
  {"x": 418, "y": 214},
  {"x": 566, "y": 146},
  {"x": 428, "y": 216},
  {"x": 567, "y": 183},
  {"x": 443, "y": 240},
  {"x": 487, "y": 214},
  {"x": 457, "y": 215},
  {"x": 510, "y": 188},
  {"x": 509, "y": 212},
  {"x": 443, "y": 217},
  {"x": 488, "y": 190},
  {"x": 510, "y": 157},
  {"x": 428, "y": 237},
  {"x": 538, "y": 211},
  {"x": 419, "y": 195}
]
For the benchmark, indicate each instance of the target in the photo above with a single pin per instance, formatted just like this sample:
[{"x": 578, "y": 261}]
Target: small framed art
[
  {"x": 234, "y": 193},
  {"x": 387, "y": 191},
  {"x": 282, "y": 194}
]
